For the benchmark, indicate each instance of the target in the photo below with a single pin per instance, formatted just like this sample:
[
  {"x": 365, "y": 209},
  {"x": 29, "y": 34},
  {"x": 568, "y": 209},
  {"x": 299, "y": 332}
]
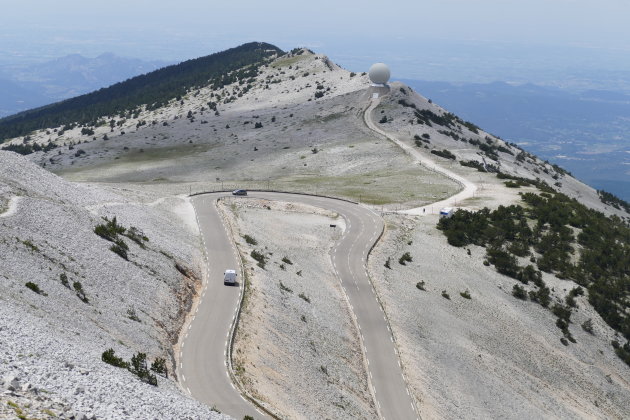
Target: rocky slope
[
  {"x": 490, "y": 355},
  {"x": 296, "y": 345},
  {"x": 66, "y": 298}
]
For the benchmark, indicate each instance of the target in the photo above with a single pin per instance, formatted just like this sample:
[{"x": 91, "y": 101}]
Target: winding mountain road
[
  {"x": 205, "y": 346},
  {"x": 468, "y": 187}
]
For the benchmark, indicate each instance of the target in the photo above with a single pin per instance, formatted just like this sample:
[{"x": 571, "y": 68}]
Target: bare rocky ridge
[
  {"x": 52, "y": 340},
  {"x": 296, "y": 347}
]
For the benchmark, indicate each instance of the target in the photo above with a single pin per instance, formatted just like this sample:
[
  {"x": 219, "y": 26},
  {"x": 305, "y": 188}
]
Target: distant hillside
[
  {"x": 585, "y": 133},
  {"x": 18, "y": 97},
  {"x": 29, "y": 85},
  {"x": 155, "y": 88}
]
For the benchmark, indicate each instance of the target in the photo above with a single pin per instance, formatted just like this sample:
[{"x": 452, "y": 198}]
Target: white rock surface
[{"x": 52, "y": 340}]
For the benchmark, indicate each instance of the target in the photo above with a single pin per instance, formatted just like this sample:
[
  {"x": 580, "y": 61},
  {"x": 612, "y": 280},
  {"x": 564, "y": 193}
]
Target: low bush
[
  {"x": 34, "y": 287},
  {"x": 473, "y": 164},
  {"x": 519, "y": 292},
  {"x": 136, "y": 235},
  {"x": 120, "y": 248},
  {"x": 445, "y": 295},
  {"x": 159, "y": 366},
  {"x": 63, "y": 278},
  {"x": 139, "y": 368},
  {"x": 109, "y": 230},
  {"x": 286, "y": 261},
  {"x": 444, "y": 153},
  {"x": 78, "y": 288},
  {"x": 109, "y": 357},
  {"x": 250, "y": 240},
  {"x": 406, "y": 257},
  {"x": 132, "y": 315},
  {"x": 260, "y": 257}
]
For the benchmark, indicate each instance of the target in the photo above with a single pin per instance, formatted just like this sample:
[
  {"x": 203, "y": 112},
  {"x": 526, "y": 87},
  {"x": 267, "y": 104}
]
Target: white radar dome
[{"x": 379, "y": 73}]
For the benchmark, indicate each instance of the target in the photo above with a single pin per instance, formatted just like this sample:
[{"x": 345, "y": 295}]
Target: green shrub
[
  {"x": 284, "y": 288},
  {"x": 529, "y": 273},
  {"x": 63, "y": 278},
  {"x": 30, "y": 245},
  {"x": 304, "y": 297},
  {"x": 159, "y": 366},
  {"x": 78, "y": 288},
  {"x": 445, "y": 295},
  {"x": 120, "y": 248},
  {"x": 34, "y": 287},
  {"x": 250, "y": 240},
  {"x": 542, "y": 296},
  {"x": 465, "y": 295},
  {"x": 260, "y": 257},
  {"x": 132, "y": 315},
  {"x": 473, "y": 164},
  {"x": 136, "y": 235},
  {"x": 562, "y": 312},
  {"x": 519, "y": 292},
  {"x": 503, "y": 261},
  {"x": 110, "y": 357},
  {"x": 139, "y": 368},
  {"x": 444, "y": 153},
  {"x": 420, "y": 285},
  {"x": 388, "y": 262},
  {"x": 286, "y": 261},
  {"x": 406, "y": 257},
  {"x": 109, "y": 230}
]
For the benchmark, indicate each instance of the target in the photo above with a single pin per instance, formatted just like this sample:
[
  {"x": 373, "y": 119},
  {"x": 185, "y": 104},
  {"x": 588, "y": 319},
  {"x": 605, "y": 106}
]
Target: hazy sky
[{"x": 348, "y": 30}]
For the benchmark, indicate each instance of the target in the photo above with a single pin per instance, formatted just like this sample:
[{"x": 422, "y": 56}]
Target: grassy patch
[
  {"x": 376, "y": 188},
  {"x": 289, "y": 61}
]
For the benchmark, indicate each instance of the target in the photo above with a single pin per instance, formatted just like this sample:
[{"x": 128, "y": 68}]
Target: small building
[{"x": 446, "y": 212}]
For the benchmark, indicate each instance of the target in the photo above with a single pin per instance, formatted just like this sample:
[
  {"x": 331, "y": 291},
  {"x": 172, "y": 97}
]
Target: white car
[{"x": 229, "y": 277}]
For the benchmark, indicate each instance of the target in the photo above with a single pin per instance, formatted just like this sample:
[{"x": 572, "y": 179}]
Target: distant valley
[
  {"x": 585, "y": 133},
  {"x": 28, "y": 85}
]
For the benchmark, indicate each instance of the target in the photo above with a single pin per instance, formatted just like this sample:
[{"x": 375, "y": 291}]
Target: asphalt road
[
  {"x": 203, "y": 369},
  {"x": 468, "y": 187}
]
